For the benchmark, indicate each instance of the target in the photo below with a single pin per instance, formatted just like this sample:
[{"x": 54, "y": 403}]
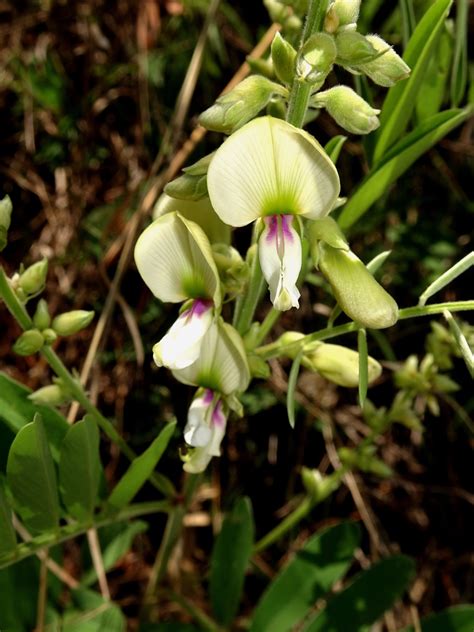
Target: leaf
[
  {"x": 80, "y": 469},
  {"x": 117, "y": 547},
  {"x": 455, "y": 619},
  {"x": 322, "y": 561},
  {"x": 365, "y": 600},
  {"x": 94, "y": 614},
  {"x": 432, "y": 93},
  {"x": 377, "y": 262},
  {"x": 442, "y": 281},
  {"x": 141, "y": 469},
  {"x": 459, "y": 70},
  {"x": 32, "y": 479},
  {"x": 401, "y": 98},
  {"x": 16, "y": 410},
  {"x": 7, "y": 532},
  {"x": 290, "y": 395},
  {"x": 230, "y": 557},
  {"x": 363, "y": 365},
  {"x": 398, "y": 160},
  {"x": 461, "y": 342},
  {"x": 334, "y": 146},
  {"x": 18, "y": 596}
]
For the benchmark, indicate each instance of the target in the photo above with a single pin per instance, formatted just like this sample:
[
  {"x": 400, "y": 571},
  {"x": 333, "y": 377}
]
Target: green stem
[
  {"x": 276, "y": 349},
  {"x": 197, "y": 614},
  {"x": 285, "y": 525},
  {"x": 252, "y": 297},
  {"x": 18, "y": 311},
  {"x": 48, "y": 540},
  {"x": 267, "y": 325}
]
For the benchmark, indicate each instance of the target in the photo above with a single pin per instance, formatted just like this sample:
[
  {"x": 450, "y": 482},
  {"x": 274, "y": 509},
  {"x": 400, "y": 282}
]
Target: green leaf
[
  {"x": 117, "y": 547},
  {"x": 141, "y": 469},
  {"x": 32, "y": 479},
  {"x": 290, "y": 395},
  {"x": 80, "y": 469},
  {"x": 363, "y": 365},
  {"x": 371, "y": 593},
  {"x": 334, "y": 146},
  {"x": 322, "y": 561},
  {"x": 455, "y": 619},
  {"x": 461, "y": 342},
  {"x": 93, "y": 614},
  {"x": 442, "y": 281},
  {"x": 16, "y": 410},
  {"x": 432, "y": 93},
  {"x": 401, "y": 98},
  {"x": 7, "y": 532},
  {"x": 230, "y": 557},
  {"x": 398, "y": 160},
  {"x": 18, "y": 596},
  {"x": 459, "y": 71}
]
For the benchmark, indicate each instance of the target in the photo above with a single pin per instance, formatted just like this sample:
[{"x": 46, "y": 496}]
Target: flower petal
[
  {"x": 174, "y": 258},
  {"x": 270, "y": 167},
  {"x": 222, "y": 364},
  {"x": 279, "y": 250},
  {"x": 181, "y": 346},
  {"x": 199, "y": 211}
]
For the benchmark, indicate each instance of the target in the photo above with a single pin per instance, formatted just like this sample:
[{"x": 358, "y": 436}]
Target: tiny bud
[
  {"x": 192, "y": 185},
  {"x": 348, "y": 109},
  {"x": 28, "y": 343},
  {"x": 339, "y": 364},
  {"x": 240, "y": 105},
  {"x": 353, "y": 48},
  {"x": 71, "y": 322},
  {"x": 284, "y": 59},
  {"x": 355, "y": 289},
  {"x": 49, "y": 336},
  {"x": 290, "y": 338},
  {"x": 316, "y": 58},
  {"x": 347, "y": 11},
  {"x": 32, "y": 280},
  {"x": 52, "y": 395},
  {"x": 42, "y": 319},
  {"x": 318, "y": 486},
  {"x": 387, "y": 68},
  {"x": 5, "y": 220}
]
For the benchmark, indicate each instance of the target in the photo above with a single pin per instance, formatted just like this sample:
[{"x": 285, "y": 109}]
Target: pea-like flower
[
  {"x": 174, "y": 258},
  {"x": 275, "y": 172}
]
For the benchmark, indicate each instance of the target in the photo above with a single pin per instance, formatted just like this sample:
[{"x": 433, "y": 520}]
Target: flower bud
[
  {"x": 325, "y": 229},
  {"x": 290, "y": 338},
  {"x": 318, "y": 486},
  {"x": 353, "y": 48},
  {"x": 42, "y": 319},
  {"x": 233, "y": 270},
  {"x": 32, "y": 280},
  {"x": 284, "y": 59},
  {"x": 260, "y": 66},
  {"x": 386, "y": 69},
  {"x": 316, "y": 58},
  {"x": 51, "y": 395},
  {"x": 5, "y": 219},
  {"x": 365, "y": 461},
  {"x": 28, "y": 343},
  {"x": 258, "y": 367},
  {"x": 348, "y": 109},
  {"x": 240, "y": 105},
  {"x": 193, "y": 184},
  {"x": 347, "y": 12},
  {"x": 338, "y": 364},
  {"x": 49, "y": 335},
  {"x": 355, "y": 289},
  {"x": 71, "y": 322}
]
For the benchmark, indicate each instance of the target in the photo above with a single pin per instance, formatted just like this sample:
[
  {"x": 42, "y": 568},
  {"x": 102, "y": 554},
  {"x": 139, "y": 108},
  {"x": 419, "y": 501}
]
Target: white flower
[
  {"x": 204, "y": 431},
  {"x": 269, "y": 169}
]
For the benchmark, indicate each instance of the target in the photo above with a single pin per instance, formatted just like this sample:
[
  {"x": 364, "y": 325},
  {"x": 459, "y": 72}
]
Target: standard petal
[
  {"x": 270, "y": 167},
  {"x": 222, "y": 364},
  {"x": 199, "y": 211},
  {"x": 181, "y": 346},
  {"x": 174, "y": 258},
  {"x": 279, "y": 250}
]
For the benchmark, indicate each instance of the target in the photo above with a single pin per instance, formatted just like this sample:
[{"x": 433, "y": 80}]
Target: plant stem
[
  {"x": 275, "y": 349},
  {"x": 252, "y": 297},
  {"x": 267, "y": 325},
  {"x": 18, "y": 311},
  {"x": 285, "y": 525}
]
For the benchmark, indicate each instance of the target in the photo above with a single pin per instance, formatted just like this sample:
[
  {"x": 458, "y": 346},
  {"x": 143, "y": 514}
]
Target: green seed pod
[
  {"x": 42, "y": 319},
  {"x": 29, "y": 342},
  {"x": 71, "y": 322},
  {"x": 5, "y": 220},
  {"x": 52, "y": 395},
  {"x": 355, "y": 289},
  {"x": 240, "y": 105},
  {"x": 32, "y": 280},
  {"x": 348, "y": 109},
  {"x": 284, "y": 59}
]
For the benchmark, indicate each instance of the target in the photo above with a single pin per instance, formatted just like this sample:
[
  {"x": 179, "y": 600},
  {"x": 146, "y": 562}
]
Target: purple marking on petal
[
  {"x": 272, "y": 223},
  {"x": 286, "y": 221},
  {"x": 218, "y": 418},
  {"x": 200, "y": 306},
  {"x": 208, "y": 396}
]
